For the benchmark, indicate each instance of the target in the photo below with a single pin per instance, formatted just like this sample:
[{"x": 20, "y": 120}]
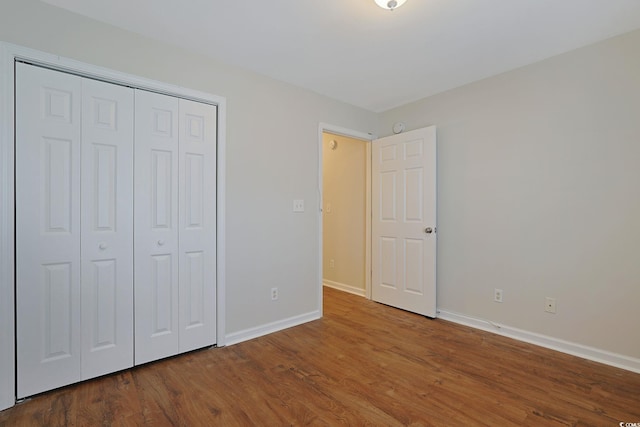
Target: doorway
[
  {"x": 345, "y": 223},
  {"x": 416, "y": 254}
]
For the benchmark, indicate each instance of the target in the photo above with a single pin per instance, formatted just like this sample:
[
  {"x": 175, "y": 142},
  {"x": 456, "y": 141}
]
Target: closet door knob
[
  {"x": 102, "y": 246},
  {"x": 160, "y": 242}
]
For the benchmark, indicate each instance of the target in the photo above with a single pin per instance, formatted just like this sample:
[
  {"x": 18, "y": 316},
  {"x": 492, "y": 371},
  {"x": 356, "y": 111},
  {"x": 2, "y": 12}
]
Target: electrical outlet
[
  {"x": 550, "y": 305},
  {"x": 497, "y": 295},
  {"x": 298, "y": 205},
  {"x": 274, "y": 294},
  {"x": 332, "y": 263}
]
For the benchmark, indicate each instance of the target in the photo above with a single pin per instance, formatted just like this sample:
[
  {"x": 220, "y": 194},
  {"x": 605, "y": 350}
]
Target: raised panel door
[
  {"x": 48, "y": 135},
  {"x": 404, "y": 219},
  {"x": 107, "y": 228},
  {"x": 156, "y": 295},
  {"x": 197, "y": 219}
]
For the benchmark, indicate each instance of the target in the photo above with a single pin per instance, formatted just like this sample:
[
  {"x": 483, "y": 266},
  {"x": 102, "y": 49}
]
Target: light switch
[{"x": 298, "y": 205}]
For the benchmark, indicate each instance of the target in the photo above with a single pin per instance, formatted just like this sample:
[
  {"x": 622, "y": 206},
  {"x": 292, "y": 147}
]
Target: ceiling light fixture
[{"x": 390, "y": 4}]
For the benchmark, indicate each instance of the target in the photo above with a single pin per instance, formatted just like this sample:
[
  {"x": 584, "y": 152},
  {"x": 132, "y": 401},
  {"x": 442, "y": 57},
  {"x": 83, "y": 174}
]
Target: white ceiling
[{"x": 356, "y": 52}]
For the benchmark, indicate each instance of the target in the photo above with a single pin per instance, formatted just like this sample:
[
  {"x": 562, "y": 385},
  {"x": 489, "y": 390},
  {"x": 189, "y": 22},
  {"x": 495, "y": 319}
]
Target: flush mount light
[{"x": 390, "y": 4}]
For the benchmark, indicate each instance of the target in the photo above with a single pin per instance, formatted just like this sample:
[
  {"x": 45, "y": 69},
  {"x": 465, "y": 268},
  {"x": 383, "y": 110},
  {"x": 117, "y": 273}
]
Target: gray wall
[
  {"x": 272, "y": 153},
  {"x": 539, "y": 194}
]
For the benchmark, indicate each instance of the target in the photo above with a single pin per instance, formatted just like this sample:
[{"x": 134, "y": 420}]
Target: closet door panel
[
  {"x": 197, "y": 245},
  {"x": 156, "y": 226},
  {"x": 107, "y": 228},
  {"x": 47, "y": 229}
]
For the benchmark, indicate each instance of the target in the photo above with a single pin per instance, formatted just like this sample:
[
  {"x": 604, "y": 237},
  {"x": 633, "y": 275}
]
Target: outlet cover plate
[
  {"x": 550, "y": 305},
  {"x": 298, "y": 205}
]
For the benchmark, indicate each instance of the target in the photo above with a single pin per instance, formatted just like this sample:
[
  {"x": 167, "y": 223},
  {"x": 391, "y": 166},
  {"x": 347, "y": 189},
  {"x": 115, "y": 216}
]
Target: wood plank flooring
[{"x": 362, "y": 364}]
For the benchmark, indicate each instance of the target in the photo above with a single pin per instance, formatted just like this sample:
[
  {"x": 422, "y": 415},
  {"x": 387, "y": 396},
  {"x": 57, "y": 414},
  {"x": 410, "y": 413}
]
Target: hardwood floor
[{"x": 362, "y": 364}]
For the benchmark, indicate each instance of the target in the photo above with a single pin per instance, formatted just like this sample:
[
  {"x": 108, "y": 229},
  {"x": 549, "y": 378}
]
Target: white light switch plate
[{"x": 298, "y": 205}]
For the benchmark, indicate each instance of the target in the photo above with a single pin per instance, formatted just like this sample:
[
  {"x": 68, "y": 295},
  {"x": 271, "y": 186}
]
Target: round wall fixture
[
  {"x": 333, "y": 144},
  {"x": 398, "y": 127}
]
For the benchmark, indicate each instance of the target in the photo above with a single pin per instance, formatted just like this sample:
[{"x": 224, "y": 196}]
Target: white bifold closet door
[
  {"x": 74, "y": 218},
  {"x": 175, "y": 226},
  {"x": 107, "y": 228}
]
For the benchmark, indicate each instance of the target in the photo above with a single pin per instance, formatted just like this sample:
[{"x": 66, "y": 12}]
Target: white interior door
[
  {"x": 404, "y": 221},
  {"x": 47, "y": 229},
  {"x": 197, "y": 231},
  {"x": 156, "y": 226},
  {"x": 107, "y": 228}
]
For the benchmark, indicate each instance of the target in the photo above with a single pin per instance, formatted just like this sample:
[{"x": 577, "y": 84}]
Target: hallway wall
[{"x": 344, "y": 199}]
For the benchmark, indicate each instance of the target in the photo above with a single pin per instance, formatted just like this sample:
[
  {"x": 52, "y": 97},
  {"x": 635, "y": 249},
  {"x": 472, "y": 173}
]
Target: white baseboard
[
  {"x": 583, "y": 351},
  {"x": 247, "y": 334},
  {"x": 346, "y": 288}
]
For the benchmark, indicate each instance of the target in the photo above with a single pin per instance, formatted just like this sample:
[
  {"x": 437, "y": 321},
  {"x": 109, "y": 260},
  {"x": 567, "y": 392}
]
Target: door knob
[
  {"x": 160, "y": 242},
  {"x": 428, "y": 230},
  {"x": 102, "y": 246}
]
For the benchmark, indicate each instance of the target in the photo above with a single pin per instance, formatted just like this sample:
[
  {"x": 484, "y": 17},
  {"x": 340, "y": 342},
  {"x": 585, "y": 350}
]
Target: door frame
[
  {"x": 9, "y": 53},
  {"x": 366, "y": 137}
]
